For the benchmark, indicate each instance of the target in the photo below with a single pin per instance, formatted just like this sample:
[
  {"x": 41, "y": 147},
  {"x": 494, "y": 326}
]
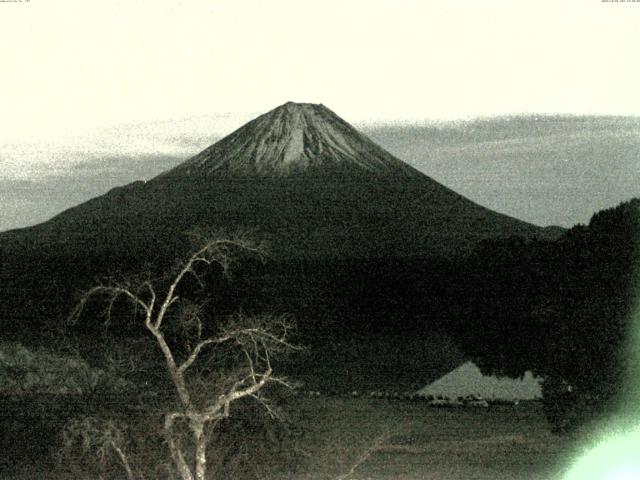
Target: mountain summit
[
  {"x": 310, "y": 183},
  {"x": 294, "y": 139},
  {"x": 340, "y": 214}
]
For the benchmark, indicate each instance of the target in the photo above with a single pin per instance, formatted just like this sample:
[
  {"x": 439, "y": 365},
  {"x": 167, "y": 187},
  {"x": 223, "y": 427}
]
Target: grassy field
[
  {"x": 422, "y": 442},
  {"x": 399, "y": 440}
]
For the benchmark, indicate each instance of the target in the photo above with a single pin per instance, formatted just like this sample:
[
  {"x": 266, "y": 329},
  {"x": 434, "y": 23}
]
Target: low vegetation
[
  {"x": 28, "y": 371},
  {"x": 321, "y": 438}
]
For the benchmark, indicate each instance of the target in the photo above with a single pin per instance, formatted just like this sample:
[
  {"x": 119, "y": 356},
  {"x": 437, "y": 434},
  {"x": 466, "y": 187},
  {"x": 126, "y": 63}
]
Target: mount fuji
[
  {"x": 302, "y": 178},
  {"x": 355, "y": 236},
  {"x": 294, "y": 140}
]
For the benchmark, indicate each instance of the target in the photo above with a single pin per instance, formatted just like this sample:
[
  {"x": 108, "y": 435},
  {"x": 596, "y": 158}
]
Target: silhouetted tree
[
  {"x": 560, "y": 308},
  {"x": 208, "y": 372}
]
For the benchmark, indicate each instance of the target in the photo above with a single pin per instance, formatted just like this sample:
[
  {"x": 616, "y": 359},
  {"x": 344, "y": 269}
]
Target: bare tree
[
  {"x": 255, "y": 340},
  {"x": 106, "y": 438}
]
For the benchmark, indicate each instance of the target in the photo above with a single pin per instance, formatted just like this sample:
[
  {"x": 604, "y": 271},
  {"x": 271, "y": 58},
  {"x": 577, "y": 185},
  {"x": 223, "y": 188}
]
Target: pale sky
[
  {"x": 94, "y": 94},
  {"x": 68, "y": 65}
]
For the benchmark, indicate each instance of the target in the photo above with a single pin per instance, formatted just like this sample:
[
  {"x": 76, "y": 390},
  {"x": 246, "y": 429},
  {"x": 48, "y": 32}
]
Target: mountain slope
[
  {"x": 353, "y": 232},
  {"x": 294, "y": 139},
  {"x": 304, "y": 179}
]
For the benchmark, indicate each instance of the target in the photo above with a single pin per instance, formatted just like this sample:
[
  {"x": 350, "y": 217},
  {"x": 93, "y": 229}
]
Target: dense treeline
[{"x": 561, "y": 309}]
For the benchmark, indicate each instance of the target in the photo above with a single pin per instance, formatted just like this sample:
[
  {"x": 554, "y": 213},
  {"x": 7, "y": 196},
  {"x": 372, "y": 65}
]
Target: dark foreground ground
[
  {"x": 375, "y": 439},
  {"x": 422, "y": 442}
]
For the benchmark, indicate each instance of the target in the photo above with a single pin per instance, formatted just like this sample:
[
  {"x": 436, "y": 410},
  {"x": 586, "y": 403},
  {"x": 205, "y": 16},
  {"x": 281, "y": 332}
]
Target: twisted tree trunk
[{"x": 200, "y": 441}]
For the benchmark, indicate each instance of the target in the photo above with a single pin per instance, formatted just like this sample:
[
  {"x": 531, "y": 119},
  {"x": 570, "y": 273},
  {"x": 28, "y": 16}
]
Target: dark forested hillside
[
  {"x": 338, "y": 211},
  {"x": 560, "y": 308}
]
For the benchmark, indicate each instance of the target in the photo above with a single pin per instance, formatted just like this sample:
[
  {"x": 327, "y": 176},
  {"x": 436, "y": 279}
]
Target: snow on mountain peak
[{"x": 294, "y": 139}]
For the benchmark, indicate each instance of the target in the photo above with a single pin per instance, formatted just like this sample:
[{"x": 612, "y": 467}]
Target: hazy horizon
[
  {"x": 547, "y": 169},
  {"x": 99, "y": 94}
]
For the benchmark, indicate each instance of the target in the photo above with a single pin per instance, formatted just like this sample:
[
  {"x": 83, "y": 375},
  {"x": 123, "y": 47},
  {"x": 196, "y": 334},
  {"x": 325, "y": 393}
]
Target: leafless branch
[
  {"x": 194, "y": 354},
  {"x": 371, "y": 449},
  {"x": 101, "y": 437},
  {"x": 255, "y": 338}
]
